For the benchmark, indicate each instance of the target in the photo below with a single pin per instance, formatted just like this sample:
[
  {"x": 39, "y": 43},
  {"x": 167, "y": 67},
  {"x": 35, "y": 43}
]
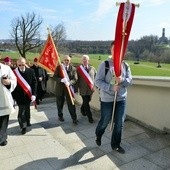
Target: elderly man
[
  {"x": 25, "y": 92},
  {"x": 7, "y": 85},
  {"x": 70, "y": 78},
  {"x": 86, "y": 75}
]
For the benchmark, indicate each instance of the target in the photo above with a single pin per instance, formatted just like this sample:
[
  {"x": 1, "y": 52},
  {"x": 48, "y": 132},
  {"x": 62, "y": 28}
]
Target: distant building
[{"x": 163, "y": 40}]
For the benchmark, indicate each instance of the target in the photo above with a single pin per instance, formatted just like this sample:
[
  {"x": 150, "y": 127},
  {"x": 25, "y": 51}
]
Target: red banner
[
  {"x": 123, "y": 27},
  {"x": 49, "y": 56}
]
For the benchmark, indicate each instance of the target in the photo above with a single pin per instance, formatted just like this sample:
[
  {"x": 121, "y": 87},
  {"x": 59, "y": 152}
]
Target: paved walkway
[{"x": 52, "y": 145}]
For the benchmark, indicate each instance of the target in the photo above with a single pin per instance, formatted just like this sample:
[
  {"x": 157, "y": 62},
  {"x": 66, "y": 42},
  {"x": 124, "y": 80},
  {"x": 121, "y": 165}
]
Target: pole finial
[
  {"x": 128, "y": 1},
  {"x": 48, "y": 29}
]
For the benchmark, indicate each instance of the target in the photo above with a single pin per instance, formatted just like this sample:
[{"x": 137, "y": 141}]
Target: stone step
[{"x": 50, "y": 149}]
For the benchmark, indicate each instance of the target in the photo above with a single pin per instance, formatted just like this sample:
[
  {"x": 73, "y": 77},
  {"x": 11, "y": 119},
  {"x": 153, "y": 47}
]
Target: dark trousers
[
  {"x": 3, "y": 127},
  {"x": 24, "y": 115},
  {"x": 40, "y": 92},
  {"x": 85, "y": 107},
  {"x": 60, "y": 103}
]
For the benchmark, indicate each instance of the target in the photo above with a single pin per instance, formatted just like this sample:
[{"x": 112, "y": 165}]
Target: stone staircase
[{"x": 53, "y": 145}]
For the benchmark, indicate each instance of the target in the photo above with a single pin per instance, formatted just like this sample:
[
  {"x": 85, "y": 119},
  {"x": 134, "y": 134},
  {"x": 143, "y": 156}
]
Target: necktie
[{"x": 86, "y": 68}]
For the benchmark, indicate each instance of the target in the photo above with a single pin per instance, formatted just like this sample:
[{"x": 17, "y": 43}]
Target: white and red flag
[
  {"x": 123, "y": 28},
  {"x": 49, "y": 57}
]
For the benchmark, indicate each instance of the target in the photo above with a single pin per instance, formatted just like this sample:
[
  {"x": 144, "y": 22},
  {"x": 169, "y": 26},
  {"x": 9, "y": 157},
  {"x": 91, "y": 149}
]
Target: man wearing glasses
[
  {"x": 25, "y": 92},
  {"x": 69, "y": 79}
]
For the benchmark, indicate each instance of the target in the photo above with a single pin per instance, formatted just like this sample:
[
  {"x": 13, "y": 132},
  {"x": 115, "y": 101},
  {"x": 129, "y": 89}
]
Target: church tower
[{"x": 163, "y": 40}]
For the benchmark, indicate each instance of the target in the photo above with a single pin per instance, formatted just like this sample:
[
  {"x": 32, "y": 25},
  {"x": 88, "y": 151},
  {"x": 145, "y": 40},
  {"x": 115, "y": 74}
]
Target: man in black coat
[
  {"x": 25, "y": 92},
  {"x": 42, "y": 77}
]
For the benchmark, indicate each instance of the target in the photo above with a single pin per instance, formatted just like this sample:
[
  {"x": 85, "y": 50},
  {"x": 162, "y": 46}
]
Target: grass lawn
[{"x": 142, "y": 69}]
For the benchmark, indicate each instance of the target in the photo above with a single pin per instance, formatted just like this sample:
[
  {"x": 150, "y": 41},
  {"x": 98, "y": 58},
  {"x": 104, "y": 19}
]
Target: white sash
[
  {"x": 23, "y": 83},
  {"x": 66, "y": 76},
  {"x": 86, "y": 77}
]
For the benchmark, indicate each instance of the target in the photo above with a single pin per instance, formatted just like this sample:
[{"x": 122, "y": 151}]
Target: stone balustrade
[{"x": 148, "y": 101}]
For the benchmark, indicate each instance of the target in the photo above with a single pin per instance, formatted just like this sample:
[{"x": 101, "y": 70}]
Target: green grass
[
  {"x": 149, "y": 69},
  {"x": 142, "y": 69}
]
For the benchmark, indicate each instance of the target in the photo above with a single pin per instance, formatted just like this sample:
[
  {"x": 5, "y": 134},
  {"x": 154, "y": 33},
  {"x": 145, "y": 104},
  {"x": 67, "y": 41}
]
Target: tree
[
  {"x": 25, "y": 32},
  {"x": 59, "y": 34}
]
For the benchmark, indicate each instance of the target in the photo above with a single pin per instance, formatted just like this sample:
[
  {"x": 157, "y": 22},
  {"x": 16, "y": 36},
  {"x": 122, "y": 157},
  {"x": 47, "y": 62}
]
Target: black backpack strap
[
  {"x": 126, "y": 65},
  {"x": 106, "y": 67}
]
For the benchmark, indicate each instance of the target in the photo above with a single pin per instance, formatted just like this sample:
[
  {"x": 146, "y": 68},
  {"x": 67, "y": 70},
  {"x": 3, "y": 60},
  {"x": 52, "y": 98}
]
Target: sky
[{"x": 88, "y": 19}]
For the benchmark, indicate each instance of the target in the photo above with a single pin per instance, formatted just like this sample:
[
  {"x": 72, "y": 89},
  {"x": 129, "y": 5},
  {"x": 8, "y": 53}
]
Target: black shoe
[
  {"x": 28, "y": 124},
  {"x": 119, "y": 149},
  {"x": 98, "y": 141},
  {"x": 91, "y": 120},
  {"x": 61, "y": 119},
  {"x": 83, "y": 113},
  {"x": 75, "y": 122},
  {"x": 23, "y": 131},
  {"x": 4, "y": 143}
]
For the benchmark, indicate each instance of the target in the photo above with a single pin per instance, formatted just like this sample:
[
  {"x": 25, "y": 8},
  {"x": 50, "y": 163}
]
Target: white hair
[{"x": 85, "y": 56}]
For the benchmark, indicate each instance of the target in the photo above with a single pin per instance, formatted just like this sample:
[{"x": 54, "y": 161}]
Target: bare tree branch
[
  {"x": 58, "y": 34},
  {"x": 25, "y": 31}
]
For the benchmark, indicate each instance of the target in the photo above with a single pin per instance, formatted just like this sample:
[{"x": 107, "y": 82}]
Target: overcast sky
[{"x": 88, "y": 19}]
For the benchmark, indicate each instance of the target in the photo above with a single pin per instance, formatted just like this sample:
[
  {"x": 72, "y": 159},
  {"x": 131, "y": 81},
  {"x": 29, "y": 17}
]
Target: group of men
[{"x": 68, "y": 78}]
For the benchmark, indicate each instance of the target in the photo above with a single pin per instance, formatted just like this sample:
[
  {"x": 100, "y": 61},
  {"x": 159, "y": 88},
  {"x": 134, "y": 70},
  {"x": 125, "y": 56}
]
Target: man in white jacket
[{"x": 8, "y": 83}]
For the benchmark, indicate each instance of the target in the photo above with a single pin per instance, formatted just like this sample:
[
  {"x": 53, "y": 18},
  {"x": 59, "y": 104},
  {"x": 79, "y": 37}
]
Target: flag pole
[
  {"x": 62, "y": 72},
  {"x": 121, "y": 56}
]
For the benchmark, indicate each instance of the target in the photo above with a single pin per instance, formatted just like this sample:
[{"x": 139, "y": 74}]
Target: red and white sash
[
  {"x": 66, "y": 76},
  {"x": 23, "y": 83},
  {"x": 86, "y": 77}
]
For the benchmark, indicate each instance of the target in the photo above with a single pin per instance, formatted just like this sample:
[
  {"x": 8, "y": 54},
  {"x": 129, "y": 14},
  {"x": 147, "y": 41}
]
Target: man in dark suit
[
  {"x": 61, "y": 88},
  {"x": 42, "y": 77},
  {"x": 25, "y": 92}
]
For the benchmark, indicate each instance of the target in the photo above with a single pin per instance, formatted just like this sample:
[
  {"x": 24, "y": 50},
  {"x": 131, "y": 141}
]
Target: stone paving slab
[
  {"x": 160, "y": 158},
  {"x": 139, "y": 164}
]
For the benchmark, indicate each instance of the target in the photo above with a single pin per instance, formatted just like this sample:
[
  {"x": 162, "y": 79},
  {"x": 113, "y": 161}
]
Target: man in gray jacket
[{"x": 107, "y": 86}]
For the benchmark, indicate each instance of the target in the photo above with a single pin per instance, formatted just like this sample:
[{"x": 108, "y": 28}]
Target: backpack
[{"x": 107, "y": 66}]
